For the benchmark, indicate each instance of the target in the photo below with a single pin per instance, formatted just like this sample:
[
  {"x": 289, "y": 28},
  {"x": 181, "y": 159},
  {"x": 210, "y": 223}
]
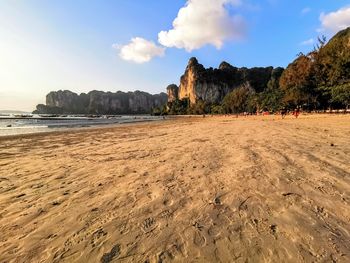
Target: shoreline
[
  {"x": 60, "y": 131},
  {"x": 168, "y": 118},
  {"x": 72, "y": 127}
]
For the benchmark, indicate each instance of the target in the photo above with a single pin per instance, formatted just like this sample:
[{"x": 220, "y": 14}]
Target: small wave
[{"x": 23, "y": 127}]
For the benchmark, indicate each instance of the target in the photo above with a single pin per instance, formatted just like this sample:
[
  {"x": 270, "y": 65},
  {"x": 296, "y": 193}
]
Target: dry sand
[{"x": 219, "y": 189}]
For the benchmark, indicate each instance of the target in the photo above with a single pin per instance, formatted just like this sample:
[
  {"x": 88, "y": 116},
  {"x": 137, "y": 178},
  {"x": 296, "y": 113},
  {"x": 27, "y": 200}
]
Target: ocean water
[{"x": 11, "y": 125}]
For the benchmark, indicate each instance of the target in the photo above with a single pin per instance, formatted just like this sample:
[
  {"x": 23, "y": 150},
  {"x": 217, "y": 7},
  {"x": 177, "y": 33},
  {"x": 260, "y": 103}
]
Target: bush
[
  {"x": 199, "y": 108},
  {"x": 217, "y": 109},
  {"x": 179, "y": 107}
]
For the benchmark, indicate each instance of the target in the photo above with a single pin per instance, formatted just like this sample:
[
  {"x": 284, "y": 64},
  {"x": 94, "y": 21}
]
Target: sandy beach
[{"x": 214, "y": 189}]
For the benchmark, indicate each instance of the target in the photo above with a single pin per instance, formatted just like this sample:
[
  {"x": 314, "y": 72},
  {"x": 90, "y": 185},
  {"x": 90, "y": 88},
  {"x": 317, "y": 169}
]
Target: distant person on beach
[
  {"x": 296, "y": 112},
  {"x": 283, "y": 112}
]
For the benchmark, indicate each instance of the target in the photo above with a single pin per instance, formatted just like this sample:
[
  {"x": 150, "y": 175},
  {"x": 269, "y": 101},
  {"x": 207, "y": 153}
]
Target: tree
[
  {"x": 332, "y": 63},
  {"x": 298, "y": 82},
  {"x": 179, "y": 107},
  {"x": 160, "y": 111},
  {"x": 44, "y": 109},
  {"x": 217, "y": 109},
  {"x": 239, "y": 100},
  {"x": 200, "y": 107},
  {"x": 271, "y": 98},
  {"x": 332, "y": 69},
  {"x": 339, "y": 94}
]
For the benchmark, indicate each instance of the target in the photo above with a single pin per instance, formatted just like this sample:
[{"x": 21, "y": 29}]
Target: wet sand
[{"x": 215, "y": 189}]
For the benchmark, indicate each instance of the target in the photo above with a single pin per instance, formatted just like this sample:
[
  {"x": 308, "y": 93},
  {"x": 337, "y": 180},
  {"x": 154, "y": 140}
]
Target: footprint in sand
[
  {"x": 217, "y": 201},
  {"x": 167, "y": 202},
  {"x": 199, "y": 239},
  {"x": 114, "y": 253},
  {"x": 123, "y": 228},
  {"x": 166, "y": 214},
  {"x": 165, "y": 257},
  {"x": 96, "y": 236},
  {"x": 172, "y": 253},
  {"x": 292, "y": 198},
  {"x": 149, "y": 225},
  {"x": 321, "y": 212},
  {"x": 273, "y": 229},
  {"x": 214, "y": 231}
]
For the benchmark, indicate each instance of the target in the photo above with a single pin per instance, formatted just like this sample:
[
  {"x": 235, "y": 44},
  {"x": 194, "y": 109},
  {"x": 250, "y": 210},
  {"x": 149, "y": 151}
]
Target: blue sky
[{"x": 83, "y": 45}]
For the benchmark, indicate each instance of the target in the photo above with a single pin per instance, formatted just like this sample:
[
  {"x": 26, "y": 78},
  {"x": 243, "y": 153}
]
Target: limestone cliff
[
  {"x": 212, "y": 85},
  {"x": 99, "y": 102},
  {"x": 172, "y": 92}
]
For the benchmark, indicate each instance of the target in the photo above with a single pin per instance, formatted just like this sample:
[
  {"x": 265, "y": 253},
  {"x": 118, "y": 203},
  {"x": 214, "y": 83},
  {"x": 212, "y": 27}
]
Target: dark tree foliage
[
  {"x": 160, "y": 111},
  {"x": 332, "y": 63},
  {"x": 179, "y": 107},
  {"x": 239, "y": 100},
  {"x": 339, "y": 95},
  {"x": 41, "y": 108},
  {"x": 217, "y": 109},
  {"x": 270, "y": 100},
  {"x": 298, "y": 83},
  {"x": 332, "y": 69},
  {"x": 321, "y": 78},
  {"x": 201, "y": 107}
]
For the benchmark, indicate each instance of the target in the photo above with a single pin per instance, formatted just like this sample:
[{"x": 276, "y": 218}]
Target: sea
[{"x": 26, "y": 123}]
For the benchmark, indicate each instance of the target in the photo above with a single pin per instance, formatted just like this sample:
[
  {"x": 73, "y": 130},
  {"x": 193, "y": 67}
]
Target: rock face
[
  {"x": 99, "y": 102},
  {"x": 212, "y": 85},
  {"x": 172, "y": 92}
]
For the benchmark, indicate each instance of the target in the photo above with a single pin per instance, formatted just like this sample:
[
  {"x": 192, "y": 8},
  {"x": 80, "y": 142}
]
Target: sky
[{"x": 129, "y": 45}]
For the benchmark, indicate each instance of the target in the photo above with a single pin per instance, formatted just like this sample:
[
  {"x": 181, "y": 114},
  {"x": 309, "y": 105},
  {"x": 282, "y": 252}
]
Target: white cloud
[
  {"x": 140, "y": 50},
  {"x": 308, "y": 42},
  {"x": 306, "y": 10},
  {"x": 202, "y": 22},
  {"x": 336, "y": 21}
]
